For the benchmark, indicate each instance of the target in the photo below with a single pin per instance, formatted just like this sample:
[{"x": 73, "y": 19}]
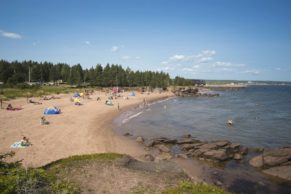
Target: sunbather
[
  {"x": 34, "y": 102},
  {"x": 9, "y": 107}
]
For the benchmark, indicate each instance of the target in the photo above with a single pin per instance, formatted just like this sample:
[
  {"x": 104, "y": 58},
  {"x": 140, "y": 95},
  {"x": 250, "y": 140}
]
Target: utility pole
[{"x": 29, "y": 74}]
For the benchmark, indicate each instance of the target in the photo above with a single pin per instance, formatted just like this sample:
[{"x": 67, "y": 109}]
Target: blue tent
[
  {"x": 131, "y": 94},
  {"x": 76, "y": 94},
  {"x": 51, "y": 111}
]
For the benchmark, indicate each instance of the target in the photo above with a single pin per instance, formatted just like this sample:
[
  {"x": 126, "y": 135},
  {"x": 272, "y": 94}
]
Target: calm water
[{"x": 261, "y": 116}]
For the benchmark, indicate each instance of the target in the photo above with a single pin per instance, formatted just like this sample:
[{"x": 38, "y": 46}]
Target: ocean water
[{"x": 261, "y": 117}]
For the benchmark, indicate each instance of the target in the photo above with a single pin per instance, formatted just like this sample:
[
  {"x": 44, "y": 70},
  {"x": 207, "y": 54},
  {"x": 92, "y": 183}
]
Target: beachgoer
[
  {"x": 1, "y": 102},
  {"x": 9, "y": 107},
  {"x": 98, "y": 98},
  {"x": 34, "y": 102},
  {"x": 118, "y": 106},
  {"x": 25, "y": 141},
  {"x": 43, "y": 121},
  {"x": 229, "y": 122}
]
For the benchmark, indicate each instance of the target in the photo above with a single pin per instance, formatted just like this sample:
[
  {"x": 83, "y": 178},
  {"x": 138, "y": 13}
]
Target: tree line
[{"x": 16, "y": 72}]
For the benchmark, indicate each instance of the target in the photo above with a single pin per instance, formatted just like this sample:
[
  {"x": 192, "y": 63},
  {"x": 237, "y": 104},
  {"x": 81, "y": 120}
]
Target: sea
[{"x": 261, "y": 117}]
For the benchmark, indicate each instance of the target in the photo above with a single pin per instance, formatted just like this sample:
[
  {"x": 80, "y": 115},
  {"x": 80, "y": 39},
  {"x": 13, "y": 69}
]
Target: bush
[{"x": 15, "y": 179}]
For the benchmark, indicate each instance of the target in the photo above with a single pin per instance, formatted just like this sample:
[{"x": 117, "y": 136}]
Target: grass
[
  {"x": 35, "y": 91},
  {"x": 186, "y": 187},
  {"x": 16, "y": 179}
]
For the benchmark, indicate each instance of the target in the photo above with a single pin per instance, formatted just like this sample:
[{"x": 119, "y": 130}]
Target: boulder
[
  {"x": 187, "y": 141},
  {"x": 283, "y": 172},
  {"x": 187, "y": 146},
  {"x": 234, "y": 146},
  {"x": 163, "y": 148},
  {"x": 270, "y": 161},
  {"x": 257, "y": 161},
  {"x": 219, "y": 155},
  {"x": 243, "y": 150},
  {"x": 208, "y": 146},
  {"x": 139, "y": 139},
  {"x": 221, "y": 143},
  {"x": 237, "y": 156},
  {"x": 199, "y": 152},
  {"x": 149, "y": 157}
]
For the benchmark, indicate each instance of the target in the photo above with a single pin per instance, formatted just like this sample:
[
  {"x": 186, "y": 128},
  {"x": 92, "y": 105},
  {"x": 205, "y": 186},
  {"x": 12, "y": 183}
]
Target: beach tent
[
  {"x": 51, "y": 111},
  {"x": 76, "y": 94},
  {"x": 131, "y": 93}
]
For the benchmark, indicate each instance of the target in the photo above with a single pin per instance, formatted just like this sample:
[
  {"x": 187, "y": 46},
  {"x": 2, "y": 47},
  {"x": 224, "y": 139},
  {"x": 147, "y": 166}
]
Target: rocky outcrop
[
  {"x": 275, "y": 162},
  {"x": 190, "y": 147}
]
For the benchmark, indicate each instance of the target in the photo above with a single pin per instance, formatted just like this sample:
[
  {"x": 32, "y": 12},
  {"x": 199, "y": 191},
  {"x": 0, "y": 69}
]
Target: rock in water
[
  {"x": 283, "y": 172},
  {"x": 216, "y": 154},
  {"x": 257, "y": 161},
  {"x": 237, "y": 156}
]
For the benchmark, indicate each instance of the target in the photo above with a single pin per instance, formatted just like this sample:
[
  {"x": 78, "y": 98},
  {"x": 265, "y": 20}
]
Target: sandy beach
[{"x": 77, "y": 130}]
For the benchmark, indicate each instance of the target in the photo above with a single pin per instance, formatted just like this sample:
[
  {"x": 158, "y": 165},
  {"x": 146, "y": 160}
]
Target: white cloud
[
  {"x": 87, "y": 42},
  {"x": 227, "y": 64},
  {"x": 196, "y": 66},
  {"x": 11, "y": 35},
  {"x": 164, "y": 62},
  {"x": 125, "y": 57},
  {"x": 137, "y": 57},
  {"x": 205, "y": 56},
  {"x": 177, "y": 58},
  {"x": 114, "y": 49},
  {"x": 278, "y": 68},
  {"x": 253, "y": 72}
]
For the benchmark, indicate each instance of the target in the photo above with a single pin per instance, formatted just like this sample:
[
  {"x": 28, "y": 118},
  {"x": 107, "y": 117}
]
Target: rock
[
  {"x": 127, "y": 134},
  {"x": 139, "y": 139},
  {"x": 234, "y": 146},
  {"x": 257, "y": 161},
  {"x": 163, "y": 156},
  {"x": 149, "y": 157},
  {"x": 216, "y": 155},
  {"x": 272, "y": 158},
  {"x": 221, "y": 143},
  {"x": 283, "y": 172},
  {"x": 124, "y": 161},
  {"x": 237, "y": 156},
  {"x": 243, "y": 150},
  {"x": 187, "y": 146},
  {"x": 184, "y": 156},
  {"x": 171, "y": 141},
  {"x": 199, "y": 152},
  {"x": 208, "y": 146},
  {"x": 187, "y": 141},
  {"x": 187, "y": 136},
  {"x": 163, "y": 148},
  {"x": 149, "y": 143},
  {"x": 270, "y": 161}
]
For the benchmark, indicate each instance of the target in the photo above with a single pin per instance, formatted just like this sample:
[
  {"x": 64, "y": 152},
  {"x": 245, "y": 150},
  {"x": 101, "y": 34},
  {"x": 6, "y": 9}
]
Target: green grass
[
  {"x": 11, "y": 93},
  {"x": 186, "y": 187},
  {"x": 99, "y": 157}
]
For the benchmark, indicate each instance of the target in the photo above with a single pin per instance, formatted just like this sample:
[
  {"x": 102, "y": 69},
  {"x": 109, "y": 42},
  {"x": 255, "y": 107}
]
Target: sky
[{"x": 199, "y": 39}]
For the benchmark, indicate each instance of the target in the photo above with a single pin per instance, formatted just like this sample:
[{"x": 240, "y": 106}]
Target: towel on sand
[{"x": 18, "y": 145}]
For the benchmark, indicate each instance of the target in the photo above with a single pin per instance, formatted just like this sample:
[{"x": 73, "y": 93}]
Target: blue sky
[{"x": 207, "y": 39}]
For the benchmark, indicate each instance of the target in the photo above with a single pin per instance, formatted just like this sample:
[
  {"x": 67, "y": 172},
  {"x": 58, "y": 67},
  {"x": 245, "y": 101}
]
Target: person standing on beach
[
  {"x": 1, "y": 102},
  {"x": 118, "y": 106}
]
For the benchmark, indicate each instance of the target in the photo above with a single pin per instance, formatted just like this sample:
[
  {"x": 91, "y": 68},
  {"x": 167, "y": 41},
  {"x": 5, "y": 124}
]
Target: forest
[{"x": 15, "y": 72}]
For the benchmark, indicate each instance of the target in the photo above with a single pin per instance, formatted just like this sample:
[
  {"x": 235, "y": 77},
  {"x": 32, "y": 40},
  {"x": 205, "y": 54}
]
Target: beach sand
[{"x": 84, "y": 129}]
